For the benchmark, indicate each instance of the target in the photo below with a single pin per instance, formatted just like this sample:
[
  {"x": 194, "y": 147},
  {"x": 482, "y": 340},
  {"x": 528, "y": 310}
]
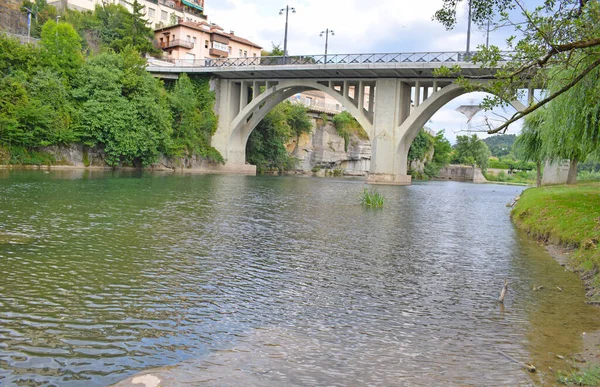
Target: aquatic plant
[
  {"x": 589, "y": 376},
  {"x": 371, "y": 199}
]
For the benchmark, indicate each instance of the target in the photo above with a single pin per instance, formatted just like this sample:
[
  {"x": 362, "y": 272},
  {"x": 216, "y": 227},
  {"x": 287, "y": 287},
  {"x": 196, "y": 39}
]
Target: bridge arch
[
  {"x": 249, "y": 117},
  {"x": 237, "y": 132},
  {"x": 423, "y": 113}
]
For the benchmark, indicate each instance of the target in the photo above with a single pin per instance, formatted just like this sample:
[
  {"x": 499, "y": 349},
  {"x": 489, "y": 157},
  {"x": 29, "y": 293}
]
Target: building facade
[
  {"x": 193, "y": 41},
  {"x": 158, "y": 13}
]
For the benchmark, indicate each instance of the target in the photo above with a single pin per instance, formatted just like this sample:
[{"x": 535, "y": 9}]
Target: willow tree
[
  {"x": 530, "y": 143},
  {"x": 558, "y": 34},
  {"x": 572, "y": 124}
]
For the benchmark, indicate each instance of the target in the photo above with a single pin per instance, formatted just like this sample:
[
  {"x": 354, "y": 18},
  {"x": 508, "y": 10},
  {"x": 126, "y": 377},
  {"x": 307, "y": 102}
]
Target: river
[{"x": 274, "y": 281}]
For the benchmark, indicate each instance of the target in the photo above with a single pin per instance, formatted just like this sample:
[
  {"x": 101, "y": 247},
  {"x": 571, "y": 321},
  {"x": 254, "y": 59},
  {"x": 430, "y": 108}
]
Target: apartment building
[
  {"x": 187, "y": 40},
  {"x": 158, "y": 13}
]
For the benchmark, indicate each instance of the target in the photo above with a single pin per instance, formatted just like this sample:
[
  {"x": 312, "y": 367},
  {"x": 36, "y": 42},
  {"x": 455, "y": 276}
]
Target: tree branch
[{"x": 538, "y": 105}]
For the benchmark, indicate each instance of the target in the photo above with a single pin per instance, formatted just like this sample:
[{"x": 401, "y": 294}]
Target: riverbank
[{"x": 567, "y": 217}]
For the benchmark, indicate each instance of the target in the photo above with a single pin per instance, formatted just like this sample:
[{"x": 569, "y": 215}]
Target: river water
[{"x": 273, "y": 281}]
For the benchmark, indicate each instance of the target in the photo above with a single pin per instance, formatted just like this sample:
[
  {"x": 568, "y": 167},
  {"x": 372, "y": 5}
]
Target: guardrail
[{"x": 334, "y": 59}]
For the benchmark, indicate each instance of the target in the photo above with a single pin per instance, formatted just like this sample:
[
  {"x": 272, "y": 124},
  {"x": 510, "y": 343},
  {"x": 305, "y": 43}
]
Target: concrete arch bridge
[{"x": 391, "y": 95}]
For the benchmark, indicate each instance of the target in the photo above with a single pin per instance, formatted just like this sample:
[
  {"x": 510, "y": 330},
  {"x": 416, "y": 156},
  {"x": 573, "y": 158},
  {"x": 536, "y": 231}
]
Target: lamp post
[
  {"x": 29, "y": 12},
  {"x": 287, "y": 10},
  {"x": 327, "y": 32},
  {"x": 469, "y": 29}
]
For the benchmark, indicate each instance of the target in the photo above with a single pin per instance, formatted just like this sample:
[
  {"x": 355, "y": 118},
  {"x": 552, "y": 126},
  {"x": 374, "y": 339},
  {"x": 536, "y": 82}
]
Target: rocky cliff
[
  {"x": 11, "y": 19},
  {"x": 323, "y": 149}
]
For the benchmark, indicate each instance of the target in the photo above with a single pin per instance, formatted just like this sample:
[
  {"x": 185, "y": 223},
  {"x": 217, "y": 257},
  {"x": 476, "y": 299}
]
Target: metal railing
[
  {"x": 335, "y": 59},
  {"x": 174, "y": 43}
]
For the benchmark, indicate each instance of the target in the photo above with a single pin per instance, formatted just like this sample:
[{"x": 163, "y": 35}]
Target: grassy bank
[{"x": 568, "y": 216}]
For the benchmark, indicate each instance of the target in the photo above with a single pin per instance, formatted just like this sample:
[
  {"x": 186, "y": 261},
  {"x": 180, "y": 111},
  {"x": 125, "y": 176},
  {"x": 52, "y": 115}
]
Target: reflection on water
[{"x": 272, "y": 281}]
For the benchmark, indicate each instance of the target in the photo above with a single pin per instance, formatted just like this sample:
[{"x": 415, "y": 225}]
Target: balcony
[
  {"x": 219, "y": 53},
  {"x": 174, "y": 43}
]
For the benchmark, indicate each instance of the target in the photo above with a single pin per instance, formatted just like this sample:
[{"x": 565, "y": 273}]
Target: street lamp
[
  {"x": 327, "y": 32},
  {"x": 29, "y": 12},
  {"x": 287, "y": 10},
  {"x": 469, "y": 30}
]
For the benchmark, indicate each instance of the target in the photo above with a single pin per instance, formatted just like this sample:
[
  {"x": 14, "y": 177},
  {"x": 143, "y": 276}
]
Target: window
[
  {"x": 194, "y": 40},
  {"x": 308, "y": 101},
  {"x": 254, "y": 55},
  {"x": 151, "y": 12},
  {"x": 240, "y": 53},
  {"x": 164, "y": 15},
  {"x": 245, "y": 54},
  {"x": 189, "y": 38},
  {"x": 220, "y": 46},
  {"x": 230, "y": 50},
  {"x": 206, "y": 44}
]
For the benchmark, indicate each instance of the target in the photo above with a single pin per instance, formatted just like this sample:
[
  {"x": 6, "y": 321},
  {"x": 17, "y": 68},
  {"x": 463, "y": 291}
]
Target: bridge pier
[{"x": 392, "y": 103}]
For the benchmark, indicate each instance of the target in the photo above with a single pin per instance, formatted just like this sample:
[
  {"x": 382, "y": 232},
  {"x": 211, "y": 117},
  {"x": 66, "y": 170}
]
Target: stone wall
[
  {"x": 462, "y": 173},
  {"x": 80, "y": 156}
]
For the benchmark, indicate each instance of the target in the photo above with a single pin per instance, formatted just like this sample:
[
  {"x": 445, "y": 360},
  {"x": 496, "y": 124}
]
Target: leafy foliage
[
  {"x": 424, "y": 143},
  {"x": 346, "y": 125},
  {"x": 123, "y": 108},
  {"x": 266, "y": 145},
  {"x": 563, "y": 35},
  {"x": 194, "y": 121},
  {"x": 52, "y": 94},
  {"x": 470, "y": 150},
  {"x": 421, "y": 145},
  {"x": 501, "y": 144},
  {"x": 62, "y": 48}
]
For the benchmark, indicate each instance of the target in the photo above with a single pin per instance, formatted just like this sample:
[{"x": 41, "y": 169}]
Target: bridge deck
[{"x": 407, "y": 65}]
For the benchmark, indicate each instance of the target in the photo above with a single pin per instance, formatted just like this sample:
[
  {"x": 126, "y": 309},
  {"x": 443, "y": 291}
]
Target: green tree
[
  {"x": 530, "y": 144},
  {"x": 471, "y": 150},
  {"x": 442, "y": 150},
  {"x": 500, "y": 145},
  {"x": 194, "y": 121},
  {"x": 118, "y": 28},
  {"x": 561, "y": 34},
  {"x": 123, "y": 108},
  {"x": 421, "y": 145},
  {"x": 572, "y": 124},
  {"x": 266, "y": 144},
  {"x": 276, "y": 50},
  {"x": 62, "y": 48}
]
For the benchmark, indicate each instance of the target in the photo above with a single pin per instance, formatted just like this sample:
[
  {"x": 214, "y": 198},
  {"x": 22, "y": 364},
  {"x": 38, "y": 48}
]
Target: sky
[{"x": 365, "y": 26}]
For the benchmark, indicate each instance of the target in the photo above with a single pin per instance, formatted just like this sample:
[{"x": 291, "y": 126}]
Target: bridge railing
[{"x": 333, "y": 59}]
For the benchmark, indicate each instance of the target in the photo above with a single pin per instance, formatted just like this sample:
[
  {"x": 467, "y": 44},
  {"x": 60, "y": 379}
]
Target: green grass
[
  {"x": 522, "y": 177},
  {"x": 564, "y": 215},
  {"x": 589, "y": 376},
  {"x": 372, "y": 199}
]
